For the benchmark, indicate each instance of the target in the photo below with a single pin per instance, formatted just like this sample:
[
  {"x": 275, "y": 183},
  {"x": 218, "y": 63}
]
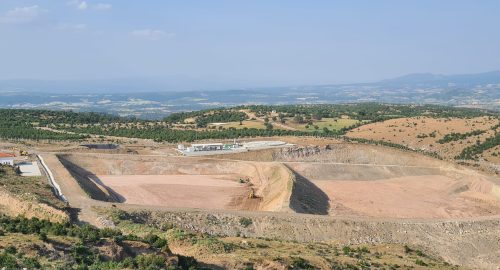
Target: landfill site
[{"x": 290, "y": 188}]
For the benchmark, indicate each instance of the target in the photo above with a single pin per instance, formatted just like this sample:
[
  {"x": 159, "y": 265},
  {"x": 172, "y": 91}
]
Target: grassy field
[{"x": 330, "y": 123}]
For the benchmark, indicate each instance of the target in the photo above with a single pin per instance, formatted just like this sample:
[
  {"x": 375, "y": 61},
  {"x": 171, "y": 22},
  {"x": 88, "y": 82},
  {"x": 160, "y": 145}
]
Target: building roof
[
  {"x": 6, "y": 155},
  {"x": 206, "y": 144}
]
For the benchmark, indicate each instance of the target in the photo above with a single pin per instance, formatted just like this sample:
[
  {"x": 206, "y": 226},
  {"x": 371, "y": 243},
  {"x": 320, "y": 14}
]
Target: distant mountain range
[
  {"x": 155, "y": 98},
  {"x": 138, "y": 85},
  {"x": 419, "y": 79}
]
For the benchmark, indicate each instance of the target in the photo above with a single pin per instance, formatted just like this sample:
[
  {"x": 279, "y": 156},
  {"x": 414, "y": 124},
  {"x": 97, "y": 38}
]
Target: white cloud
[
  {"x": 102, "y": 6},
  {"x": 151, "y": 34},
  {"x": 72, "y": 27},
  {"x": 22, "y": 15},
  {"x": 78, "y": 4},
  {"x": 83, "y": 5}
]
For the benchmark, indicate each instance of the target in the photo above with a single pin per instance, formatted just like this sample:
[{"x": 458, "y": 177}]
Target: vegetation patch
[
  {"x": 459, "y": 136},
  {"x": 473, "y": 152},
  {"x": 83, "y": 247},
  {"x": 34, "y": 188}
]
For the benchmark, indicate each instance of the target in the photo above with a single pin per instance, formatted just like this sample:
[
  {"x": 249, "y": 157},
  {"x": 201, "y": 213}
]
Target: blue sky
[{"x": 246, "y": 43}]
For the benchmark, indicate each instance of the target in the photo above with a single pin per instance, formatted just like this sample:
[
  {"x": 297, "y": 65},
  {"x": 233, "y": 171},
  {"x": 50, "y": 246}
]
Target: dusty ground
[
  {"x": 193, "y": 191},
  {"x": 432, "y": 196},
  {"x": 348, "y": 180},
  {"x": 181, "y": 181},
  {"x": 446, "y": 208},
  {"x": 370, "y": 181}
]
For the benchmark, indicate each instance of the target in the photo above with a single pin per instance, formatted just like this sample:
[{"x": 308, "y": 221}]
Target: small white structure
[
  {"x": 6, "y": 159},
  {"x": 206, "y": 147},
  {"x": 29, "y": 169}
]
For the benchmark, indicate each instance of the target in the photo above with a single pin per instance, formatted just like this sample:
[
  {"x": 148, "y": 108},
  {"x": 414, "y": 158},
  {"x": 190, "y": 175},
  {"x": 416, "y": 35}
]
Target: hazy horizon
[{"x": 226, "y": 44}]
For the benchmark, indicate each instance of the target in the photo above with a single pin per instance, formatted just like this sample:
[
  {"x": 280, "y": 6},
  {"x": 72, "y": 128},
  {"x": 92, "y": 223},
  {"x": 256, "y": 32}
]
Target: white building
[
  {"x": 207, "y": 147},
  {"x": 6, "y": 159}
]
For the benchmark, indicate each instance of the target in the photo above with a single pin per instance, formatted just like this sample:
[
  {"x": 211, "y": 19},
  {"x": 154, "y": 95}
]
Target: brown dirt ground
[
  {"x": 404, "y": 174},
  {"x": 182, "y": 181},
  {"x": 430, "y": 196},
  {"x": 405, "y": 131},
  {"x": 193, "y": 191}
]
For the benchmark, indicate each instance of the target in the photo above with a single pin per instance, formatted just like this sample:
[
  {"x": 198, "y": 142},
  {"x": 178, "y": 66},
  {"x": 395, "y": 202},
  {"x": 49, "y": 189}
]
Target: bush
[
  {"x": 31, "y": 263},
  {"x": 82, "y": 254},
  {"x": 160, "y": 243},
  {"x": 8, "y": 261},
  {"x": 300, "y": 263},
  {"x": 420, "y": 262},
  {"x": 245, "y": 222},
  {"x": 43, "y": 236},
  {"x": 186, "y": 262},
  {"x": 150, "y": 262}
]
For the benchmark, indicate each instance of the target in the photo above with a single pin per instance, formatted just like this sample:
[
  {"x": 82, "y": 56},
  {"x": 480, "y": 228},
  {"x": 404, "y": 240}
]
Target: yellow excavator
[
  {"x": 251, "y": 194},
  {"x": 22, "y": 152}
]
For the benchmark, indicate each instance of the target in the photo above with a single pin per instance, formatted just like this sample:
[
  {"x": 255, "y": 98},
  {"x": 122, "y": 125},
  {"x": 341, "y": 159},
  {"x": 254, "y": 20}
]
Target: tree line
[
  {"x": 473, "y": 151},
  {"x": 368, "y": 111},
  {"x": 459, "y": 136},
  {"x": 160, "y": 134}
]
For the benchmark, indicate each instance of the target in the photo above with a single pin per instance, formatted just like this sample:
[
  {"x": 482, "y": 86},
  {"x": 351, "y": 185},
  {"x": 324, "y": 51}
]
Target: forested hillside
[{"x": 328, "y": 120}]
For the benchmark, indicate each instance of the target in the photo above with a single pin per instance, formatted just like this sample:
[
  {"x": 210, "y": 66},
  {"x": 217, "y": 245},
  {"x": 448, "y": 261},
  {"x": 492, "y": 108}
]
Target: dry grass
[
  {"x": 35, "y": 187},
  {"x": 264, "y": 253},
  {"x": 424, "y": 132}
]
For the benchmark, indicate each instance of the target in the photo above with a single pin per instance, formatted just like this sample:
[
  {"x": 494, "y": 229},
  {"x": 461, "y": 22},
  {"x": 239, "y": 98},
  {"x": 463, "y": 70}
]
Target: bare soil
[
  {"x": 357, "y": 193},
  {"x": 430, "y": 196},
  {"x": 193, "y": 191},
  {"x": 181, "y": 181}
]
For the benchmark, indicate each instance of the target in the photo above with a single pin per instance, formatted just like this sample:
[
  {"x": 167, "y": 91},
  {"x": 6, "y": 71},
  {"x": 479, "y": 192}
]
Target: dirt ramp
[
  {"x": 276, "y": 186},
  {"x": 88, "y": 181}
]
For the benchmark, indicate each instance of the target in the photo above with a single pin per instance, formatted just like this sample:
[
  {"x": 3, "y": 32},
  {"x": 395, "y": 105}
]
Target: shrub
[
  {"x": 150, "y": 262},
  {"x": 8, "y": 261},
  {"x": 300, "y": 263},
  {"x": 420, "y": 262},
  {"x": 245, "y": 222},
  {"x": 31, "y": 263},
  {"x": 43, "y": 236}
]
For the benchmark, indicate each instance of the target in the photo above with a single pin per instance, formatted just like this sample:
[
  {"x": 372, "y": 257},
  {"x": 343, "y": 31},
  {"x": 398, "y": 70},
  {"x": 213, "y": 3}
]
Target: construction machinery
[
  {"x": 251, "y": 194},
  {"x": 21, "y": 152}
]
